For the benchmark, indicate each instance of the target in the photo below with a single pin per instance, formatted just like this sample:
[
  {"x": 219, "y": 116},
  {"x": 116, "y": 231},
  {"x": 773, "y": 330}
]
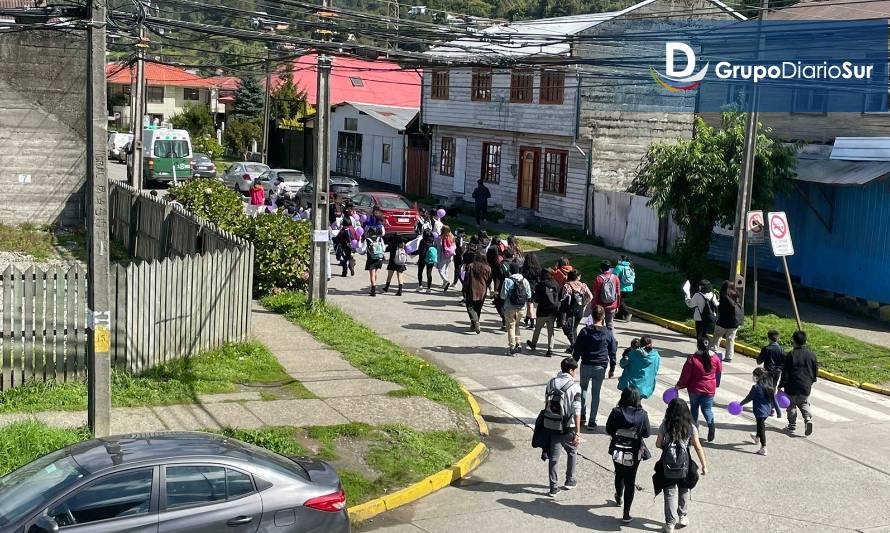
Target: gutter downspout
[{"x": 588, "y": 203}]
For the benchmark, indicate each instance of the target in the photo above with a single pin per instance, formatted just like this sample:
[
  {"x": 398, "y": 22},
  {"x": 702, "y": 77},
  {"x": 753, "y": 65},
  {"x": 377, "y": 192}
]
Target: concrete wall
[
  {"x": 374, "y": 135},
  {"x": 42, "y": 127}
]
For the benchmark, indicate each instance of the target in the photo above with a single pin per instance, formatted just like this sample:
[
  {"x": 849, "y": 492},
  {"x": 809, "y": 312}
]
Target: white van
[{"x": 116, "y": 142}]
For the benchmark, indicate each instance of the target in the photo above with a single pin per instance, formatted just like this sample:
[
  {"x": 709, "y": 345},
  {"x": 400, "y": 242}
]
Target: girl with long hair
[
  {"x": 531, "y": 270},
  {"x": 701, "y": 376},
  {"x": 447, "y": 250},
  {"x": 763, "y": 396},
  {"x": 475, "y": 288},
  {"x": 628, "y": 425},
  {"x": 675, "y": 434}
]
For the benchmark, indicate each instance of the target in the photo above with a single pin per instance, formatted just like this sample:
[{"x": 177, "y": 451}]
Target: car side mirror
[{"x": 45, "y": 524}]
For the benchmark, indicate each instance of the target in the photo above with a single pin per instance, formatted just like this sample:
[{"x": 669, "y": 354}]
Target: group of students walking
[{"x": 561, "y": 421}]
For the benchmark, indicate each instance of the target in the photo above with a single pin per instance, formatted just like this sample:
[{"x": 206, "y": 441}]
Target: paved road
[{"x": 836, "y": 480}]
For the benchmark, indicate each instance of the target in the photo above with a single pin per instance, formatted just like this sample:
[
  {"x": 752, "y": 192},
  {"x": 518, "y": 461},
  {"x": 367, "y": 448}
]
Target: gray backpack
[
  {"x": 608, "y": 295},
  {"x": 557, "y": 408}
]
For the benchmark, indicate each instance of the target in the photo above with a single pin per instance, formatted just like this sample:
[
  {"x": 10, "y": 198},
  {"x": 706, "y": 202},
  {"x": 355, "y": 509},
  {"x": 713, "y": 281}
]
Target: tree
[
  {"x": 288, "y": 100},
  {"x": 196, "y": 119},
  {"x": 249, "y": 98},
  {"x": 696, "y": 181},
  {"x": 240, "y": 132}
]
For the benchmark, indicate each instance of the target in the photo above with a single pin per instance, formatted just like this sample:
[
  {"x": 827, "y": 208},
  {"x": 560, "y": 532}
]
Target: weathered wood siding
[
  {"x": 566, "y": 209},
  {"x": 499, "y": 113},
  {"x": 819, "y": 129}
]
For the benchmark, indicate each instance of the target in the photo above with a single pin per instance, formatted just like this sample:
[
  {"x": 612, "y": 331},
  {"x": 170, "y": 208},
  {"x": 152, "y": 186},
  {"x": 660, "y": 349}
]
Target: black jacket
[
  {"x": 544, "y": 308},
  {"x": 628, "y": 418},
  {"x": 772, "y": 357},
  {"x": 799, "y": 372},
  {"x": 595, "y": 346},
  {"x": 729, "y": 313}
]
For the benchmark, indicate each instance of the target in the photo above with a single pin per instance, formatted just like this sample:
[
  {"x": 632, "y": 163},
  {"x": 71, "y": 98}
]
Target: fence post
[{"x": 133, "y": 225}]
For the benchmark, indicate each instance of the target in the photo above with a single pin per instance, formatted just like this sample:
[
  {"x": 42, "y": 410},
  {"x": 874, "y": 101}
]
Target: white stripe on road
[
  {"x": 508, "y": 406},
  {"x": 818, "y": 411}
]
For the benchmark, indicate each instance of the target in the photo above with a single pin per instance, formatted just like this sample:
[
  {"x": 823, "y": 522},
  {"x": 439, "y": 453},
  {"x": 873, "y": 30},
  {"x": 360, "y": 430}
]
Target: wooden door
[
  {"x": 417, "y": 180},
  {"x": 529, "y": 176}
]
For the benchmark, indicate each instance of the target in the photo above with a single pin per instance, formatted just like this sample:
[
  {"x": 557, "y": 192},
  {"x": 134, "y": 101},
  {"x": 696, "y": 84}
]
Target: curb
[
  {"x": 425, "y": 487},
  {"x": 751, "y": 352}
]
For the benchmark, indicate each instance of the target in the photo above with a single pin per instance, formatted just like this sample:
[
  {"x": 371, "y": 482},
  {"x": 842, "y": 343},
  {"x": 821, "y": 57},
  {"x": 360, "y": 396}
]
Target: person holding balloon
[
  {"x": 701, "y": 377},
  {"x": 763, "y": 396}
]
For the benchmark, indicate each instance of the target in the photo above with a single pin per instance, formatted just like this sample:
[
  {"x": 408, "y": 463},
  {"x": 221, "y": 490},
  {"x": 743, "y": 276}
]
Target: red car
[{"x": 399, "y": 214}]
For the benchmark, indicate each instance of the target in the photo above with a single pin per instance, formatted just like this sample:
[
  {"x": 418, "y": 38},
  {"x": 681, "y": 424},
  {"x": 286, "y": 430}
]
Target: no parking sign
[{"x": 779, "y": 234}]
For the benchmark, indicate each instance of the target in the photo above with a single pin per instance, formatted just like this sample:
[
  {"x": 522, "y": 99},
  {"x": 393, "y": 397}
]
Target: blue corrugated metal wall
[{"x": 852, "y": 258}]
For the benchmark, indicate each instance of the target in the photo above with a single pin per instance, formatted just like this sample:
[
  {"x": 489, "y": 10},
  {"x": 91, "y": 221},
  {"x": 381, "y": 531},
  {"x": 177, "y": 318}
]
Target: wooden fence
[{"x": 192, "y": 294}]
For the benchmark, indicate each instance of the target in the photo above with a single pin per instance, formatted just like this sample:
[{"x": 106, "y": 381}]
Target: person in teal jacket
[
  {"x": 626, "y": 275},
  {"x": 640, "y": 367}
]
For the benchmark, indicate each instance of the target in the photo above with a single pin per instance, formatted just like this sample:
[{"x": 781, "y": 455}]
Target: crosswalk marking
[
  {"x": 500, "y": 401},
  {"x": 818, "y": 410}
]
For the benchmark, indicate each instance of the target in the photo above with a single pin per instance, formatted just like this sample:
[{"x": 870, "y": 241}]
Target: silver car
[
  {"x": 183, "y": 482},
  {"x": 293, "y": 180},
  {"x": 240, "y": 175}
]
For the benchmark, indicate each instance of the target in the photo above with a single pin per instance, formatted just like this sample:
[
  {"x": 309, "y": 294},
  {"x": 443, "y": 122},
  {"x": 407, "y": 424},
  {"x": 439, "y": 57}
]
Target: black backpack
[
  {"x": 675, "y": 460},
  {"x": 549, "y": 296},
  {"x": 709, "y": 311},
  {"x": 518, "y": 296},
  {"x": 576, "y": 303}
]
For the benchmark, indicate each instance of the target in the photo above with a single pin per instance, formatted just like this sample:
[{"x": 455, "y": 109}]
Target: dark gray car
[{"x": 169, "y": 482}]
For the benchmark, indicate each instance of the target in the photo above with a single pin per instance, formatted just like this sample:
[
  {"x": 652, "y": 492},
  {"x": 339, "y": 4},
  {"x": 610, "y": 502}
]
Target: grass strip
[
  {"x": 176, "y": 382},
  {"x": 38, "y": 242},
  {"x": 22, "y": 442},
  {"x": 660, "y": 293},
  {"x": 372, "y": 354}
]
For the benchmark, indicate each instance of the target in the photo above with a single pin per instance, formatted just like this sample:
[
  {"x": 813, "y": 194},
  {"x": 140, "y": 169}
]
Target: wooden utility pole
[
  {"x": 99, "y": 313},
  {"x": 266, "y": 110},
  {"x": 139, "y": 111},
  {"x": 318, "y": 282}
]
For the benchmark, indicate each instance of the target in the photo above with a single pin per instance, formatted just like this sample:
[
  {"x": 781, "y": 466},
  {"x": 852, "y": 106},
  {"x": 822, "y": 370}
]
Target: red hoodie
[
  {"x": 695, "y": 378},
  {"x": 560, "y": 274}
]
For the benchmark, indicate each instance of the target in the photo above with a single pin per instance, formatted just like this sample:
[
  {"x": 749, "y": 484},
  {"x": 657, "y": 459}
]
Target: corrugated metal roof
[
  {"x": 834, "y": 10},
  {"x": 835, "y": 172},
  {"x": 861, "y": 149},
  {"x": 394, "y": 117}
]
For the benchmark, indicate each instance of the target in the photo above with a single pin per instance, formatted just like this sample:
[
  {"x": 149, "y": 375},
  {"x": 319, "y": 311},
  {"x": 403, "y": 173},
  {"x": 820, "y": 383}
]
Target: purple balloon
[
  {"x": 435, "y": 234},
  {"x": 669, "y": 395},
  {"x": 783, "y": 400},
  {"x": 440, "y": 213},
  {"x": 354, "y": 244},
  {"x": 734, "y": 408},
  {"x": 410, "y": 248},
  {"x": 363, "y": 218},
  {"x": 359, "y": 231},
  {"x": 463, "y": 275}
]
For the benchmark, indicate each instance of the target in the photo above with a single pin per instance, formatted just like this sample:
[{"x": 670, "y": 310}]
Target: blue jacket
[
  {"x": 763, "y": 403},
  {"x": 617, "y": 271},
  {"x": 595, "y": 346},
  {"x": 640, "y": 370}
]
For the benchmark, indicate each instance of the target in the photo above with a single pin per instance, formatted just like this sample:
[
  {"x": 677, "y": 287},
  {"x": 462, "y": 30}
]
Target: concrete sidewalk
[{"x": 344, "y": 395}]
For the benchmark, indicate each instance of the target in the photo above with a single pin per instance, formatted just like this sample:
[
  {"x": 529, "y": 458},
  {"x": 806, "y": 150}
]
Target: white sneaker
[
  {"x": 684, "y": 521},
  {"x": 762, "y": 451},
  {"x": 754, "y": 438},
  {"x": 667, "y": 528}
]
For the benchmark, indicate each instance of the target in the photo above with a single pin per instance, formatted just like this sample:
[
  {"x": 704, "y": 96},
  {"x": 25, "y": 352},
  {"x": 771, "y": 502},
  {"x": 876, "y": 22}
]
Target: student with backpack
[
  {"x": 596, "y": 348},
  {"x": 628, "y": 425},
  {"x": 607, "y": 292},
  {"x": 515, "y": 292},
  {"x": 343, "y": 247},
  {"x": 561, "y": 270},
  {"x": 701, "y": 377},
  {"x": 446, "y": 252},
  {"x": 574, "y": 300},
  {"x": 398, "y": 262},
  {"x": 730, "y": 316},
  {"x": 428, "y": 256},
  {"x": 546, "y": 297},
  {"x": 627, "y": 276},
  {"x": 460, "y": 248},
  {"x": 374, "y": 250},
  {"x": 704, "y": 306},
  {"x": 531, "y": 270},
  {"x": 561, "y": 419},
  {"x": 772, "y": 357},
  {"x": 640, "y": 366},
  {"x": 675, "y": 473},
  {"x": 763, "y": 394},
  {"x": 475, "y": 288}
]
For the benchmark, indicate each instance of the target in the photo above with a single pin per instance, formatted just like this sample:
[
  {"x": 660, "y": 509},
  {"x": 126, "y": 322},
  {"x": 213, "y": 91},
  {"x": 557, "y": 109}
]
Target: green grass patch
[
  {"x": 22, "y": 442},
  {"x": 358, "y": 488},
  {"x": 327, "y": 435},
  {"x": 176, "y": 382},
  {"x": 400, "y": 393},
  {"x": 279, "y": 439},
  {"x": 36, "y": 241},
  {"x": 372, "y": 354},
  {"x": 403, "y": 455},
  {"x": 660, "y": 293}
]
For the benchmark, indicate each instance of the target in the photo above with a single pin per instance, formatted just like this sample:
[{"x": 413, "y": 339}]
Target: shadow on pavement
[{"x": 581, "y": 516}]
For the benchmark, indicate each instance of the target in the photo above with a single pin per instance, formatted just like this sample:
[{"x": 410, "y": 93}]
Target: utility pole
[
  {"x": 392, "y": 12},
  {"x": 139, "y": 110},
  {"x": 318, "y": 282},
  {"x": 99, "y": 313},
  {"x": 266, "y": 106},
  {"x": 739, "y": 258}
]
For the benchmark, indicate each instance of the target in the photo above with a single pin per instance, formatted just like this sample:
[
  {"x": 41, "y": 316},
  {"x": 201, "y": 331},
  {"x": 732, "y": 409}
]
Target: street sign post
[
  {"x": 780, "y": 240},
  {"x": 756, "y": 229}
]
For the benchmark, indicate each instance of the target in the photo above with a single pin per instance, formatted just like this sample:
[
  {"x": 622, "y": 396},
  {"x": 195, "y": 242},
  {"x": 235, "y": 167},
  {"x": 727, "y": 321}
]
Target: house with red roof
[{"x": 168, "y": 90}]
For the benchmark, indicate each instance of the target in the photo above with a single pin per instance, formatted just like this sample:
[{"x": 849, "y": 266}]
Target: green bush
[
  {"x": 195, "y": 118},
  {"x": 281, "y": 252},
  {"x": 208, "y": 145},
  {"x": 213, "y": 201},
  {"x": 240, "y": 132}
]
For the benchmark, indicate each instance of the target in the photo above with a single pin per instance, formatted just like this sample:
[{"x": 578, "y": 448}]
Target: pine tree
[
  {"x": 249, "y": 98},
  {"x": 288, "y": 100}
]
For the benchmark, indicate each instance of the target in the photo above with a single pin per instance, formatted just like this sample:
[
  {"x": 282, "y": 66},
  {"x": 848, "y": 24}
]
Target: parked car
[
  {"x": 202, "y": 166},
  {"x": 125, "y": 152},
  {"x": 340, "y": 185},
  {"x": 399, "y": 214},
  {"x": 176, "y": 481},
  {"x": 294, "y": 180},
  {"x": 116, "y": 142},
  {"x": 240, "y": 175}
]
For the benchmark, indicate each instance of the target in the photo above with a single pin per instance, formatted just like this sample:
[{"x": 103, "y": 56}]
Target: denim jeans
[
  {"x": 593, "y": 375},
  {"x": 676, "y": 504},
  {"x": 703, "y": 401}
]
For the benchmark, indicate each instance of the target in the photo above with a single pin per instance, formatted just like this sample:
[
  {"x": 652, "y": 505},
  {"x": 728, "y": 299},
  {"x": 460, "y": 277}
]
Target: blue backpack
[{"x": 432, "y": 255}]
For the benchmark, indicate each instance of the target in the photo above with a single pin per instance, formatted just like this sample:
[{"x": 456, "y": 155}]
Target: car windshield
[
  {"x": 201, "y": 158},
  {"x": 171, "y": 149},
  {"x": 23, "y": 491},
  {"x": 292, "y": 176},
  {"x": 255, "y": 168},
  {"x": 393, "y": 202}
]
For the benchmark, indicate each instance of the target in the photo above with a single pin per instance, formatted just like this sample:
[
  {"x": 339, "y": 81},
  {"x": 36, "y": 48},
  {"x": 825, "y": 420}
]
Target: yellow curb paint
[
  {"x": 751, "y": 352},
  {"x": 424, "y": 487},
  {"x": 871, "y": 387},
  {"x": 477, "y": 413}
]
